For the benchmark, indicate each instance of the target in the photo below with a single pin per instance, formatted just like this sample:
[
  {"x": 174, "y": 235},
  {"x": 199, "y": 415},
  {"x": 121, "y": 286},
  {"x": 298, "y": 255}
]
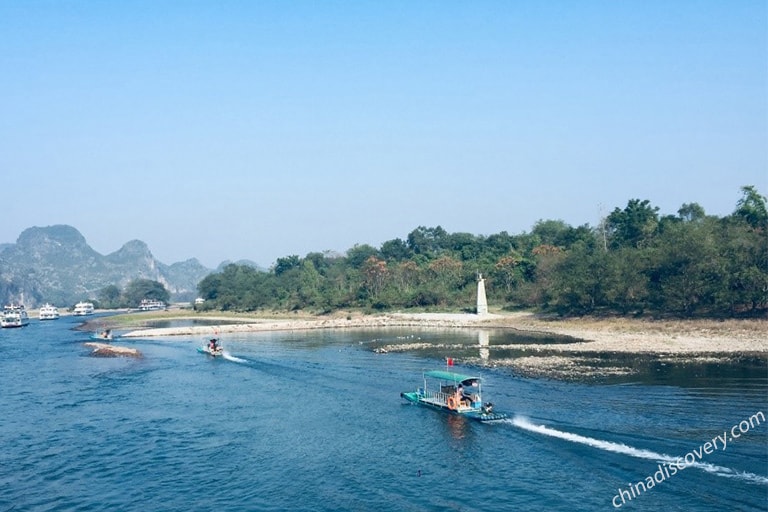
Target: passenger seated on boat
[{"x": 468, "y": 397}]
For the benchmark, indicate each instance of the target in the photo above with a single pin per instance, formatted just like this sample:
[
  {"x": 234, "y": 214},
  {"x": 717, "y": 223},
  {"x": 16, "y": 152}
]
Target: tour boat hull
[
  {"x": 213, "y": 353},
  {"x": 413, "y": 397}
]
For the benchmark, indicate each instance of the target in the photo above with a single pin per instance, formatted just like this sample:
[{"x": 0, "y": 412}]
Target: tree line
[
  {"x": 112, "y": 297},
  {"x": 635, "y": 262}
]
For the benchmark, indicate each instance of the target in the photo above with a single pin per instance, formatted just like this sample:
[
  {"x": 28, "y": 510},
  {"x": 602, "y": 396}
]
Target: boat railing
[{"x": 436, "y": 396}]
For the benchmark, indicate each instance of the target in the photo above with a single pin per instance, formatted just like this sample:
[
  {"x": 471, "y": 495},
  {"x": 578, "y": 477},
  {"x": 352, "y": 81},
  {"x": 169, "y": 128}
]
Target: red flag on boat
[{"x": 449, "y": 361}]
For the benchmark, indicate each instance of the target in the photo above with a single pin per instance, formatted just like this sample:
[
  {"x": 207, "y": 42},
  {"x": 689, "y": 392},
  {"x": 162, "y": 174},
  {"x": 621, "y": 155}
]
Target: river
[{"x": 314, "y": 421}]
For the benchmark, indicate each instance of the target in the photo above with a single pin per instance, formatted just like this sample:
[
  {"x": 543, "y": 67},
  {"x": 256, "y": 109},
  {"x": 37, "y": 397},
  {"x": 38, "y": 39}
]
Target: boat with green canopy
[{"x": 454, "y": 393}]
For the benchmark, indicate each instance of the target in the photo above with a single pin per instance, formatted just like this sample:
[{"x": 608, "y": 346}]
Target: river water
[{"x": 314, "y": 421}]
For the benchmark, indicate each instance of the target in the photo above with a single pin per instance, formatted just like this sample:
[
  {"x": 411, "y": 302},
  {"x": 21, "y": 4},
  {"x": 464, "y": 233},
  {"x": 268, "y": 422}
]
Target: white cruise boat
[
  {"x": 48, "y": 312},
  {"x": 14, "y": 315},
  {"x": 152, "y": 305},
  {"x": 83, "y": 309}
]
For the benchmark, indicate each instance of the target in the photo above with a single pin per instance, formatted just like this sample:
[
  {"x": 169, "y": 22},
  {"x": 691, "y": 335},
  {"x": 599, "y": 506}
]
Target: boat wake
[
  {"x": 624, "y": 449},
  {"x": 229, "y": 357}
]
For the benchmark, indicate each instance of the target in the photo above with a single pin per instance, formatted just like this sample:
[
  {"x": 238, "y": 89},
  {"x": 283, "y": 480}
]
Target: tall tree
[
  {"x": 359, "y": 254},
  {"x": 751, "y": 207},
  {"x": 634, "y": 225},
  {"x": 743, "y": 284},
  {"x": 685, "y": 269},
  {"x": 427, "y": 241},
  {"x": 691, "y": 212},
  {"x": 507, "y": 271},
  {"x": 109, "y": 296},
  {"x": 395, "y": 250},
  {"x": 375, "y": 273},
  {"x": 287, "y": 263}
]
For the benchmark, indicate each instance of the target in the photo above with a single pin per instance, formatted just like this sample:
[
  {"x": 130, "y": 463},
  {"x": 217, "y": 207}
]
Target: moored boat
[
  {"x": 14, "y": 315},
  {"x": 83, "y": 309},
  {"x": 48, "y": 312},
  {"x": 454, "y": 393}
]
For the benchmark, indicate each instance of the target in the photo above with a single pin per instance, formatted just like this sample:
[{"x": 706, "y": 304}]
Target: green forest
[{"x": 636, "y": 262}]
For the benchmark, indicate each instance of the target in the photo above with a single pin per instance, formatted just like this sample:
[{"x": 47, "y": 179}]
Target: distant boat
[
  {"x": 48, "y": 312},
  {"x": 105, "y": 335},
  {"x": 152, "y": 305},
  {"x": 14, "y": 315},
  {"x": 213, "y": 348},
  {"x": 83, "y": 308},
  {"x": 454, "y": 393}
]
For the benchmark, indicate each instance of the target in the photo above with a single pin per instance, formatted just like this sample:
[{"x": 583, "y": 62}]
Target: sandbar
[{"x": 591, "y": 335}]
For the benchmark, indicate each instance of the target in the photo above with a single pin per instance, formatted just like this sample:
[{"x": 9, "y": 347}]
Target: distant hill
[{"x": 55, "y": 264}]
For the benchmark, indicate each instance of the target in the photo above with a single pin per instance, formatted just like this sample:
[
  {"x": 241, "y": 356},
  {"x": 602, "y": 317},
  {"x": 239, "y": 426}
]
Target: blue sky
[{"x": 228, "y": 130}]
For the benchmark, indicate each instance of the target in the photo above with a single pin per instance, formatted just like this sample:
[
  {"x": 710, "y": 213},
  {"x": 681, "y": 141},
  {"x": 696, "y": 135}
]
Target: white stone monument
[{"x": 482, "y": 302}]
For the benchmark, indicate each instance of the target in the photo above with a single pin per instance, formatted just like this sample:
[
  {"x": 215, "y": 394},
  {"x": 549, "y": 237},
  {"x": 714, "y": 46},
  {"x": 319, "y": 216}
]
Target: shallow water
[{"x": 314, "y": 421}]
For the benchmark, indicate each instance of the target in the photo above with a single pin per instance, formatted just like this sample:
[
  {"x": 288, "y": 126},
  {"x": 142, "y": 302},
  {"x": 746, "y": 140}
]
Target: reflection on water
[
  {"x": 457, "y": 426},
  {"x": 483, "y": 344},
  {"x": 502, "y": 348},
  {"x": 483, "y": 341}
]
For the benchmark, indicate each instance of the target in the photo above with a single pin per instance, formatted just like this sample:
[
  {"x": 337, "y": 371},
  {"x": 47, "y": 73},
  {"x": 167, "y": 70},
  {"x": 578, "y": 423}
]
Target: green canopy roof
[{"x": 449, "y": 376}]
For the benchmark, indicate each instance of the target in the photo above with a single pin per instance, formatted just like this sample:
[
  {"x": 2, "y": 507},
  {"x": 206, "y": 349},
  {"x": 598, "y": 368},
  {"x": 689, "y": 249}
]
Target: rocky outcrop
[{"x": 107, "y": 350}]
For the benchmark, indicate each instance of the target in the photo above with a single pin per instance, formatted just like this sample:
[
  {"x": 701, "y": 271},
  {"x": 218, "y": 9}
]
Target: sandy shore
[
  {"x": 590, "y": 335},
  {"x": 675, "y": 341}
]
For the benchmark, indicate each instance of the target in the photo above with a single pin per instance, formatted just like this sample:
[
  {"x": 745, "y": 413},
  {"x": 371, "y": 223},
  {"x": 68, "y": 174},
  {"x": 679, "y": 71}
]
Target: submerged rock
[{"x": 107, "y": 350}]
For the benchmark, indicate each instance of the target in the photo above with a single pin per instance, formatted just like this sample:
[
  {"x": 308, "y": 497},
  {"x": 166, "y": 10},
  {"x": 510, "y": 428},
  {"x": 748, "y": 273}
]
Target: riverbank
[
  {"x": 590, "y": 335},
  {"x": 599, "y": 347}
]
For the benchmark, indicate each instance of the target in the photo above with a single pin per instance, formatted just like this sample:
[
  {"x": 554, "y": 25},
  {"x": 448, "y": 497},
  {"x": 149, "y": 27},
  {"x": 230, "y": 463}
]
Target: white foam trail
[
  {"x": 634, "y": 452},
  {"x": 229, "y": 357}
]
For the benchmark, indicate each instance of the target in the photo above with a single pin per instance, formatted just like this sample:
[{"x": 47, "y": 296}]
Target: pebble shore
[
  {"x": 674, "y": 340},
  {"x": 611, "y": 335}
]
